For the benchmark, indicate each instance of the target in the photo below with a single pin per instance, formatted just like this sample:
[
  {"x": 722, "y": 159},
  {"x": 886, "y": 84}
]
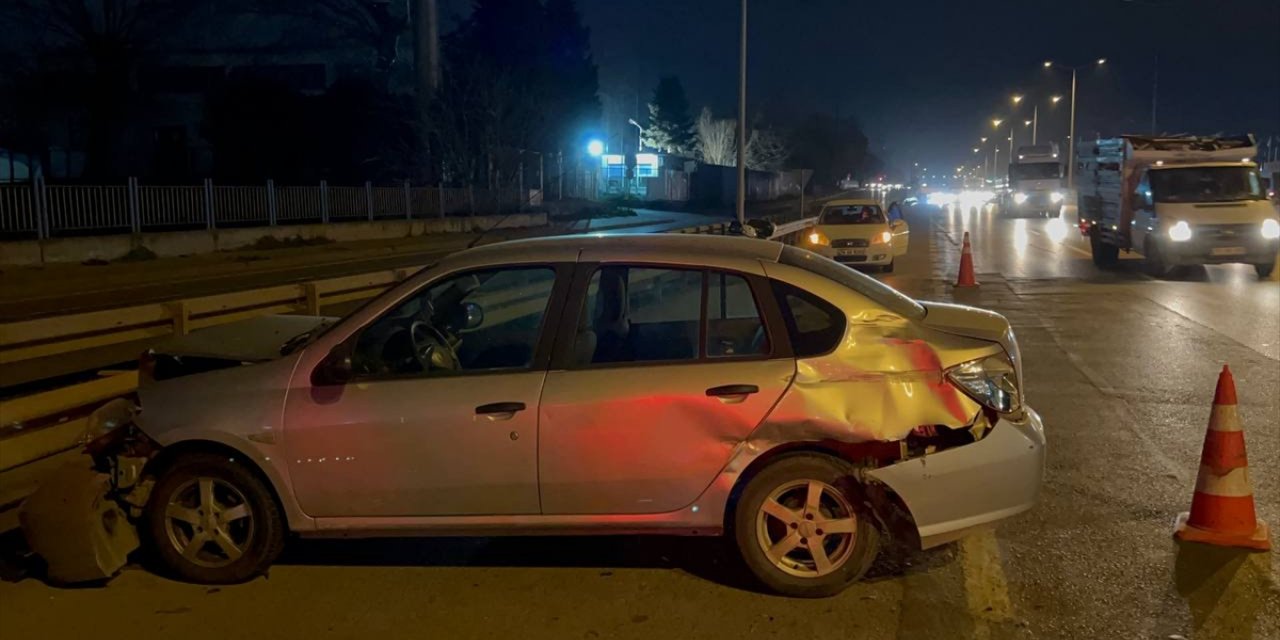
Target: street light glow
[
  {"x": 995, "y": 122},
  {"x": 1048, "y": 63},
  {"x": 595, "y": 148},
  {"x": 1026, "y": 123},
  {"x": 1056, "y": 99},
  {"x": 984, "y": 141},
  {"x": 1102, "y": 60},
  {"x": 1017, "y": 99},
  {"x": 975, "y": 149}
]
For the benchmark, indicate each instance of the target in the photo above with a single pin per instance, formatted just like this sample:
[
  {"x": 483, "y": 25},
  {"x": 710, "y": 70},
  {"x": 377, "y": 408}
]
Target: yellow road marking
[{"x": 985, "y": 586}]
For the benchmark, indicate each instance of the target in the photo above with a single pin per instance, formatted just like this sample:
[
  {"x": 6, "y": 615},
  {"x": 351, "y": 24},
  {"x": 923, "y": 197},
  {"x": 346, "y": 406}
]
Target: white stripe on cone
[
  {"x": 1232, "y": 484},
  {"x": 1224, "y": 417}
]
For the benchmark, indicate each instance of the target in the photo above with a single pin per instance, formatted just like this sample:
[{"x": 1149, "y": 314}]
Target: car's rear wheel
[
  {"x": 1264, "y": 269},
  {"x": 212, "y": 521},
  {"x": 801, "y": 529},
  {"x": 888, "y": 268}
]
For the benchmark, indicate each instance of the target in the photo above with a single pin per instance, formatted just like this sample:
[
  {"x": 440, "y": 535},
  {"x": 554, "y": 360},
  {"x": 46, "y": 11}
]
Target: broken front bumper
[{"x": 953, "y": 491}]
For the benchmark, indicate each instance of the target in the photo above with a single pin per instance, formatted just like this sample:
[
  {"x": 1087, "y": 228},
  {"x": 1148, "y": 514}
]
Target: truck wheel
[
  {"x": 1154, "y": 261},
  {"x": 801, "y": 529},
  {"x": 1264, "y": 270},
  {"x": 212, "y": 521},
  {"x": 1104, "y": 255}
]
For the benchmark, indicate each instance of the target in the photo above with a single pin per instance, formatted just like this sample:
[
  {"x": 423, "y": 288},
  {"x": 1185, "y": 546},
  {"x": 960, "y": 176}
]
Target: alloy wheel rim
[
  {"x": 807, "y": 528},
  {"x": 209, "y": 522}
]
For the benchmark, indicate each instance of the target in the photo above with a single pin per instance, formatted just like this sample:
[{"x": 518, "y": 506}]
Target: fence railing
[{"x": 43, "y": 210}]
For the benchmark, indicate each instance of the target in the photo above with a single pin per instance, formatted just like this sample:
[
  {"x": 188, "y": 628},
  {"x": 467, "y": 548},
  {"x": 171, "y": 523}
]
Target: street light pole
[
  {"x": 1035, "y": 122},
  {"x": 742, "y": 120},
  {"x": 1071, "y": 144}
]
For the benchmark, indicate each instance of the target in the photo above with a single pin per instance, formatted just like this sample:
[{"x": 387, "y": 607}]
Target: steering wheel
[{"x": 432, "y": 347}]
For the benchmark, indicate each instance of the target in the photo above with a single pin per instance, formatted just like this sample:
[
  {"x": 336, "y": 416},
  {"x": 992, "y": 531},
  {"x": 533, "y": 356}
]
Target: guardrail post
[
  {"x": 180, "y": 315},
  {"x": 408, "y": 203},
  {"x": 271, "y": 202},
  {"x": 311, "y": 298},
  {"x": 324, "y": 202},
  {"x": 135, "y": 220},
  {"x": 41, "y": 206},
  {"x": 208, "y": 205},
  {"x": 368, "y": 198}
]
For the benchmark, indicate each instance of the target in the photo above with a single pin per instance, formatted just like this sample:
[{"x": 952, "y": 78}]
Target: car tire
[
  {"x": 792, "y": 569},
  {"x": 1265, "y": 269},
  {"x": 237, "y": 542},
  {"x": 888, "y": 268},
  {"x": 1105, "y": 255}
]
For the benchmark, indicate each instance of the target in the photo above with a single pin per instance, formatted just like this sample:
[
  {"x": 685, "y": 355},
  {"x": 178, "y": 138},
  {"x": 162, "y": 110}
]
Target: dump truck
[
  {"x": 1178, "y": 201},
  {"x": 1035, "y": 182}
]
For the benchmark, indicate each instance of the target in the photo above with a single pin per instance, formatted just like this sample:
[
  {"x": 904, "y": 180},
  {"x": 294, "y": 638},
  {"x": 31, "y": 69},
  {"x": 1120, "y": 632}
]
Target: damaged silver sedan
[{"x": 659, "y": 384}]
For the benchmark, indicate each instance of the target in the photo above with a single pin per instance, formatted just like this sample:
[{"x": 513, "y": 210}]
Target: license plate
[
  {"x": 851, "y": 252},
  {"x": 1227, "y": 251}
]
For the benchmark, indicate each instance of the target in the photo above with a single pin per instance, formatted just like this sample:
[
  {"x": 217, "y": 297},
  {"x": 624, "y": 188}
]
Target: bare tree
[
  {"x": 716, "y": 139},
  {"x": 766, "y": 150}
]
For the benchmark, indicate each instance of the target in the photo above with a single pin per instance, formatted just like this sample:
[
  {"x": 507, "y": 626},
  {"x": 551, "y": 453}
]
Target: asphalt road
[{"x": 1121, "y": 367}]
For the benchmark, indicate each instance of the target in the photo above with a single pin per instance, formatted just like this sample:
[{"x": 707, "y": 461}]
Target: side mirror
[
  {"x": 472, "y": 315},
  {"x": 334, "y": 370}
]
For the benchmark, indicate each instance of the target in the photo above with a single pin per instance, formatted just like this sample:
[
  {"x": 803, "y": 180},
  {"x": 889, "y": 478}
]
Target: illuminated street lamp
[
  {"x": 595, "y": 148},
  {"x": 1071, "y": 144},
  {"x": 1017, "y": 99},
  {"x": 995, "y": 122},
  {"x": 1056, "y": 99},
  {"x": 1027, "y": 123}
]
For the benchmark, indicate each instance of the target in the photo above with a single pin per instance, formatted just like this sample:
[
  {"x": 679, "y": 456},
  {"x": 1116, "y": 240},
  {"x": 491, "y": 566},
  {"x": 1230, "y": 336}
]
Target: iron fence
[{"x": 42, "y": 210}]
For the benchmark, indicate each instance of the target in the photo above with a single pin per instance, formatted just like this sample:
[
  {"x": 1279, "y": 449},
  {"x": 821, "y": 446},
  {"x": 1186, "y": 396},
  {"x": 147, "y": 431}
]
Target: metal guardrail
[{"x": 25, "y": 455}]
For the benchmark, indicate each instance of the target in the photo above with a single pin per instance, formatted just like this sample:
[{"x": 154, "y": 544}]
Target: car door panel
[
  {"x": 901, "y": 237},
  {"x": 647, "y": 439}
]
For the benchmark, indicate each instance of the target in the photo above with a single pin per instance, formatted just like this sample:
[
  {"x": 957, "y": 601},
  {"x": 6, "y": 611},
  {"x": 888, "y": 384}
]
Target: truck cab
[
  {"x": 1035, "y": 183},
  {"x": 1178, "y": 202}
]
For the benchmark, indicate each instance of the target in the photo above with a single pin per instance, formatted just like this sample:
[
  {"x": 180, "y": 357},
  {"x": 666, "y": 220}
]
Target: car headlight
[
  {"x": 1055, "y": 197},
  {"x": 1180, "y": 232},
  {"x": 1271, "y": 228},
  {"x": 817, "y": 238},
  {"x": 884, "y": 237},
  {"x": 1019, "y": 198},
  {"x": 992, "y": 381}
]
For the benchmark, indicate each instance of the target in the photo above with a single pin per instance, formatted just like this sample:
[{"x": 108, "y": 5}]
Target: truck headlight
[
  {"x": 1180, "y": 232},
  {"x": 992, "y": 381},
  {"x": 1055, "y": 197},
  {"x": 1271, "y": 228},
  {"x": 1019, "y": 197}
]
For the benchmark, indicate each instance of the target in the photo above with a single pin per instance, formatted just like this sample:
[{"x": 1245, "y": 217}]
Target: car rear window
[
  {"x": 878, "y": 292},
  {"x": 852, "y": 214},
  {"x": 814, "y": 325}
]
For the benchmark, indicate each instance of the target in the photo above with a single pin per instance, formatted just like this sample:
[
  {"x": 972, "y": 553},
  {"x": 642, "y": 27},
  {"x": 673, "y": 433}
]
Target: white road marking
[{"x": 985, "y": 586}]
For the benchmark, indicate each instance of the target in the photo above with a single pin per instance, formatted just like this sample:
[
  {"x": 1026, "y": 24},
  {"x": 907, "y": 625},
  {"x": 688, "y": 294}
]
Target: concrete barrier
[{"x": 182, "y": 243}]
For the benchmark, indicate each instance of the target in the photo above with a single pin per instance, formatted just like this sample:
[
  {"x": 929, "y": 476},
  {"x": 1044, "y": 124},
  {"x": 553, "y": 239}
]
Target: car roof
[
  {"x": 850, "y": 201},
  {"x": 678, "y": 247}
]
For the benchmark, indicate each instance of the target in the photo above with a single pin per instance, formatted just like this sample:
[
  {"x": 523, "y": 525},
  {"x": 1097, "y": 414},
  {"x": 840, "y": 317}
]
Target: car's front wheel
[
  {"x": 211, "y": 520},
  {"x": 800, "y": 528}
]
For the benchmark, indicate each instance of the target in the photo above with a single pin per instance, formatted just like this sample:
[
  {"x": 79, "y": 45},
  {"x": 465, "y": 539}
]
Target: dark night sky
[{"x": 924, "y": 77}]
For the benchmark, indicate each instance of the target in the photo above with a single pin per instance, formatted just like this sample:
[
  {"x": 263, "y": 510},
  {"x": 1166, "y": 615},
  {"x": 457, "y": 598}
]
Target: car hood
[
  {"x": 253, "y": 340},
  {"x": 852, "y": 231}
]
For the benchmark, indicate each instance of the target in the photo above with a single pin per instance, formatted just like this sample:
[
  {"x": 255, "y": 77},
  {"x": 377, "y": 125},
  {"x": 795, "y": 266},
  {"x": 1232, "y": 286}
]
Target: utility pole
[
  {"x": 1071, "y": 143},
  {"x": 742, "y": 120},
  {"x": 1155, "y": 85},
  {"x": 1035, "y": 122}
]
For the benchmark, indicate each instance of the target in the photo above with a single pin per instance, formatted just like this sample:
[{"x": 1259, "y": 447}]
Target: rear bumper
[{"x": 951, "y": 492}]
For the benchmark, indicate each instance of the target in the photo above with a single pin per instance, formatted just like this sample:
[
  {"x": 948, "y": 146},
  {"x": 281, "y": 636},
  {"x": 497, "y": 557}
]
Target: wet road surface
[{"x": 1121, "y": 367}]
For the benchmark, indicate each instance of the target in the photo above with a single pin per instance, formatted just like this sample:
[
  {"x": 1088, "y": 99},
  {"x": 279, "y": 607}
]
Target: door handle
[
  {"x": 499, "y": 407},
  {"x": 733, "y": 390}
]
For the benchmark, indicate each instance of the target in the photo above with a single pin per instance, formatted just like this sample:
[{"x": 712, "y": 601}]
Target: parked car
[
  {"x": 859, "y": 232},
  {"x": 656, "y": 384}
]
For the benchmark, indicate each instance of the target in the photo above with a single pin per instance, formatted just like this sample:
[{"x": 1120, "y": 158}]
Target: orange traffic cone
[
  {"x": 1222, "y": 510},
  {"x": 966, "y": 277}
]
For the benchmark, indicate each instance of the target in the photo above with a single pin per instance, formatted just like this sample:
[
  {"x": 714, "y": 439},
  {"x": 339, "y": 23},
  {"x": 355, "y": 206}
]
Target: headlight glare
[
  {"x": 1180, "y": 232},
  {"x": 1271, "y": 228},
  {"x": 992, "y": 381},
  {"x": 1056, "y": 196},
  {"x": 884, "y": 237},
  {"x": 1019, "y": 198},
  {"x": 817, "y": 238}
]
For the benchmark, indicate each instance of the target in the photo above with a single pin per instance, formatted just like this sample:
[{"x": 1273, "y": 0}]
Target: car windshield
[
  {"x": 1035, "y": 171},
  {"x": 877, "y": 291},
  {"x": 852, "y": 214},
  {"x": 1206, "y": 184}
]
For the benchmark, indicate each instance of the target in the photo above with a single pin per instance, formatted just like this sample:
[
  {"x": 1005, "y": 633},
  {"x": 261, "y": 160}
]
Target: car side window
[
  {"x": 734, "y": 327},
  {"x": 814, "y": 325},
  {"x": 476, "y": 321},
  {"x": 639, "y": 314}
]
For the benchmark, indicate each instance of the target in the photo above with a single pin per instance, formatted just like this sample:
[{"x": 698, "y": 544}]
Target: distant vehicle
[
  {"x": 857, "y": 231},
  {"x": 1178, "y": 201},
  {"x": 656, "y": 384},
  {"x": 1035, "y": 183}
]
